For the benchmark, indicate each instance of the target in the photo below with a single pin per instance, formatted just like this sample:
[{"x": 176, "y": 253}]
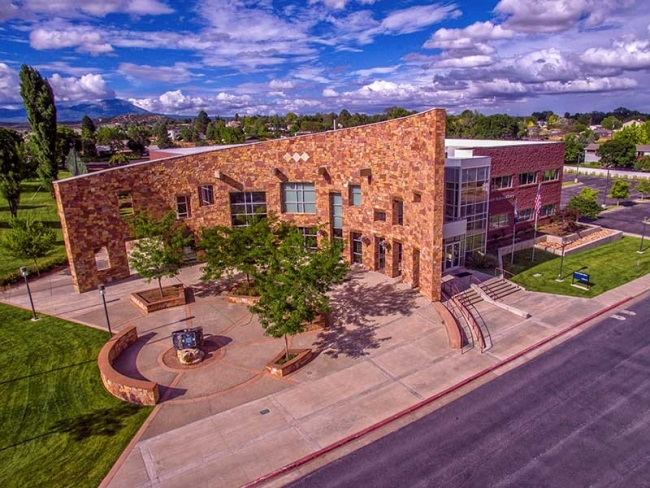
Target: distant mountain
[{"x": 69, "y": 112}]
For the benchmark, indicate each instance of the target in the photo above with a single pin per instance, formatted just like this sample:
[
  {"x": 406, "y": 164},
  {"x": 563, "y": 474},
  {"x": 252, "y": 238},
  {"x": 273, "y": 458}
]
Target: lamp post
[
  {"x": 606, "y": 189},
  {"x": 559, "y": 275},
  {"x": 23, "y": 272},
  {"x": 108, "y": 322},
  {"x": 640, "y": 251}
]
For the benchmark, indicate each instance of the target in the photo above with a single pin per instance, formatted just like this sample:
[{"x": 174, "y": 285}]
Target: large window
[
  {"x": 355, "y": 195},
  {"x": 125, "y": 203},
  {"x": 550, "y": 175},
  {"x": 547, "y": 210},
  {"x": 528, "y": 178},
  {"x": 498, "y": 221},
  {"x": 182, "y": 206},
  {"x": 398, "y": 212},
  {"x": 501, "y": 182},
  {"x": 206, "y": 195},
  {"x": 336, "y": 215},
  {"x": 310, "y": 234},
  {"x": 357, "y": 247},
  {"x": 298, "y": 198},
  {"x": 246, "y": 206},
  {"x": 526, "y": 214}
]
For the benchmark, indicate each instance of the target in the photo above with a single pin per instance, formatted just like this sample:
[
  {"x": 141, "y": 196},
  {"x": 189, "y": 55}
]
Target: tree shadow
[
  {"x": 213, "y": 288},
  {"x": 355, "y": 305},
  {"x": 104, "y": 422},
  {"x": 127, "y": 362}
]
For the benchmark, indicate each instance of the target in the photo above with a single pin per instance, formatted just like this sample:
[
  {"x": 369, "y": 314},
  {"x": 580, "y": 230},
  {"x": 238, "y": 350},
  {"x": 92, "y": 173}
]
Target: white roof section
[
  {"x": 473, "y": 143},
  {"x": 188, "y": 151}
]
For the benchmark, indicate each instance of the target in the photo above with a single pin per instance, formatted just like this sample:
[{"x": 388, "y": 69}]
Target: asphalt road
[
  {"x": 576, "y": 416},
  {"x": 629, "y": 218}
]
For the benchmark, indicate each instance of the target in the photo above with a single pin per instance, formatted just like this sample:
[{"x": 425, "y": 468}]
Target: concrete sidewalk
[{"x": 229, "y": 423}]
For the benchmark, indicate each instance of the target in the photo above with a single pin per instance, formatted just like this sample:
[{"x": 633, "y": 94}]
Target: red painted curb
[{"x": 417, "y": 406}]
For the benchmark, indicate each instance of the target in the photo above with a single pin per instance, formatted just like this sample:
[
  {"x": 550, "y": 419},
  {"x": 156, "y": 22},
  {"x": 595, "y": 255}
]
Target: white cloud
[
  {"x": 376, "y": 71},
  {"x": 70, "y": 9},
  {"x": 558, "y": 15},
  {"x": 9, "y": 85},
  {"x": 339, "y": 4},
  {"x": 627, "y": 53},
  {"x": 84, "y": 38},
  {"x": 330, "y": 93},
  {"x": 175, "y": 102},
  {"x": 178, "y": 73},
  {"x": 465, "y": 62},
  {"x": 416, "y": 18},
  {"x": 281, "y": 85},
  {"x": 88, "y": 87},
  {"x": 479, "y": 31}
]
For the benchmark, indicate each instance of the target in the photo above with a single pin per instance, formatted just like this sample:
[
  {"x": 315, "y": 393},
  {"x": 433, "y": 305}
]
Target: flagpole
[
  {"x": 538, "y": 207},
  {"x": 532, "y": 259},
  {"x": 514, "y": 233}
]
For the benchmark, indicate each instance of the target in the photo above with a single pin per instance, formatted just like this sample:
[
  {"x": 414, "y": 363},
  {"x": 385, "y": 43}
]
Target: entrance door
[
  {"x": 380, "y": 244},
  {"x": 452, "y": 255}
]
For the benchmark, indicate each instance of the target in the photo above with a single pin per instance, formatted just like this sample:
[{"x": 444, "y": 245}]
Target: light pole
[
  {"x": 23, "y": 271},
  {"x": 640, "y": 251},
  {"x": 559, "y": 276},
  {"x": 606, "y": 189},
  {"x": 108, "y": 322}
]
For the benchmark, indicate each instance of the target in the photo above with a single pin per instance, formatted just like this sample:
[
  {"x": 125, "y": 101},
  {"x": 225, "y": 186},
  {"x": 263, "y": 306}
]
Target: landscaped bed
[
  {"x": 58, "y": 425},
  {"x": 608, "y": 266}
]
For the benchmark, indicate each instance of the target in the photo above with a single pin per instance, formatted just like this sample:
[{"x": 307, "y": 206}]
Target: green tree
[
  {"x": 158, "y": 251},
  {"x": 138, "y": 138},
  {"x": 611, "y": 123},
  {"x": 88, "y": 128},
  {"x": 586, "y": 203},
  {"x": 38, "y": 100},
  {"x": 28, "y": 239},
  {"x": 617, "y": 153},
  {"x": 66, "y": 138},
  {"x": 201, "y": 122},
  {"x": 643, "y": 187},
  {"x": 13, "y": 168},
  {"x": 111, "y": 136},
  {"x": 620, "y": 190},
  {"x": 294, "y": 289},
  {"x": 573, "y": 149},
  {"x": 162, "y": 136}
]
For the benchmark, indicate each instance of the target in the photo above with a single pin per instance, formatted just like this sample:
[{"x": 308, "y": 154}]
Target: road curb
[{"x": 427, "y": 401}]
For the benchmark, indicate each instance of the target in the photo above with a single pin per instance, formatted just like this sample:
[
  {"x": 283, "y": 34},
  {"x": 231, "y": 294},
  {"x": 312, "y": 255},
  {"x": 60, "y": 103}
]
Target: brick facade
[
  {"x": 513, "y": 160},
  {"x": 399, "y": 160}
]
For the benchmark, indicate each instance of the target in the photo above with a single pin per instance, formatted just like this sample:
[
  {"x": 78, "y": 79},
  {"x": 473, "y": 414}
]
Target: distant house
[
  {"x": 592, "y": 157},
  {"x": 630, "y": 123}
]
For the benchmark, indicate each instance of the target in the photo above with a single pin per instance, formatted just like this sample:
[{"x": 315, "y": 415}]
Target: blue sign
[{"x": 581, "y": 277}]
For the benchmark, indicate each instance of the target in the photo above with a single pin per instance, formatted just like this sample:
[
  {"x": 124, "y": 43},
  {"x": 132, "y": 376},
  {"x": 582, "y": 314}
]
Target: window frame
[
  {"x": 527, "y": 174},
  {"x": 310, "y": 237},
  {"x": 353, "y": 194},
  {"x": 356, "y": 238},
  {"x": 250, "y": 206},
  {"x": 206, "y": 190},
  {"x": 547, "y": 210},
  {"x": 497, "y": 221},
  {"x": 526, "y": 215},
  {"x": 501, "y": 186},
  {"x": 398, "y": 211},
  {"x": 379, "y": 215},
  {"x": 551, "y": 174},
  {"x": 300, "y": 189},
  {"x": 183, "y": 215}
]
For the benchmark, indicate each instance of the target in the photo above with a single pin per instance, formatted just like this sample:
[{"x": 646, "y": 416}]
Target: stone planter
[
  {"x": 281, "y": 370},
  {"x": 242, "y": 299},
  {"x": 150, "y": 300}
]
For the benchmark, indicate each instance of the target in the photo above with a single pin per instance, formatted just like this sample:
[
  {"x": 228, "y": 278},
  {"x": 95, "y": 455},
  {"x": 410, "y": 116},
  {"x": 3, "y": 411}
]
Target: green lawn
[
  {"x": 58, "y": 425},
  {"x": 609, "y": 266},
  {"x": 40, "y": 205}
]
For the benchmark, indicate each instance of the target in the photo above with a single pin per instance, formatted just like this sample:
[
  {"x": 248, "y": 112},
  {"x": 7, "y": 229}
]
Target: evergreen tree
[
  {"x": 38, "y": 100},
  {"x": 88, "y": 128},
  {"x": 162, "y": 136},
  {"x": 75, "y": 164},
  {"x": 13, "y": 168}
]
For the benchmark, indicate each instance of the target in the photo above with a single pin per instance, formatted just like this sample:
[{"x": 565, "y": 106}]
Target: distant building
[{"x": 592, "y": 157}]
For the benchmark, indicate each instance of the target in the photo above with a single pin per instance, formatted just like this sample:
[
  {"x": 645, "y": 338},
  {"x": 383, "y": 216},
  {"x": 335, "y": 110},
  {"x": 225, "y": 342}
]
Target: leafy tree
[
  {"x": 66, "y": 138},
  {"x": 617, "y": 153},
  {"x": 162, "y": 136},
  {"x": 573, "y": 149},
  {"x": 201, "y": 122},
  {"x": 294, "y": 289},
  {"x": 620, "y": 190},
  {"x": 586, "y": 203},
  {"x": 28, "y": 239},
  {"x": 643, "y": 187},
  {"x": 75, "y": 164},
  {"x": 111, "y": 136},
  {"x": 158, "y": 251},
  {"x": 138, "y": 138},
  {"x": 38, "y": 100},
  {"x": 611, "y": 123},
  {"x": 13, "y": 168}
]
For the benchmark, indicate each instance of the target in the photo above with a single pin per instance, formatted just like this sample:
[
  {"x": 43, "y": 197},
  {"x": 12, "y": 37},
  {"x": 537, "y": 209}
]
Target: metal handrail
[{"x": 503, "y": 272}]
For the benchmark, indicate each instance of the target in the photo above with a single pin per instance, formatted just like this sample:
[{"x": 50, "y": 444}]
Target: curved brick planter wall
[
  {"x": 128, "y": 389},
  {"x": 451, "y": 325}
]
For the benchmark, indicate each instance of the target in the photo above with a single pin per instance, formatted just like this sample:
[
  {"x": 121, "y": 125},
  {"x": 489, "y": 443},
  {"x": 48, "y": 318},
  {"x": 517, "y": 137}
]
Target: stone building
[{"x": 402, "y": 202}]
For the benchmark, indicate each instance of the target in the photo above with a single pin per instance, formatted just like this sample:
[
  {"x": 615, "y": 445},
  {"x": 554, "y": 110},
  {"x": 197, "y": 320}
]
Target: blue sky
[{"x": 266, "y": 57}]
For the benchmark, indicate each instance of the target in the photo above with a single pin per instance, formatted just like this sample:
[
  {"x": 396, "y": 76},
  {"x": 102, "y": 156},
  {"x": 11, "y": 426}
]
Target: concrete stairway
[
  {"x": 469, "y": 297},
  {"x": 498, "y": 288}
]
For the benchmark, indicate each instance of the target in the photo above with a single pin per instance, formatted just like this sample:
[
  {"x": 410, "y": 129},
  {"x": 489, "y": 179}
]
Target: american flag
[{"x": 538, "y": 200}]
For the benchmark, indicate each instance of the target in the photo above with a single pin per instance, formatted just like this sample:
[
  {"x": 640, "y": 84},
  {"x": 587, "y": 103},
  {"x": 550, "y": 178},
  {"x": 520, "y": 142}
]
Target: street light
[
  {"x": 108, "y": 322},
  {"x": 606, "y": 190},
  {"x": 23, "y": 272},
  {"x": 559, "y": 275},
  {"x": 640, "y": 251}
]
